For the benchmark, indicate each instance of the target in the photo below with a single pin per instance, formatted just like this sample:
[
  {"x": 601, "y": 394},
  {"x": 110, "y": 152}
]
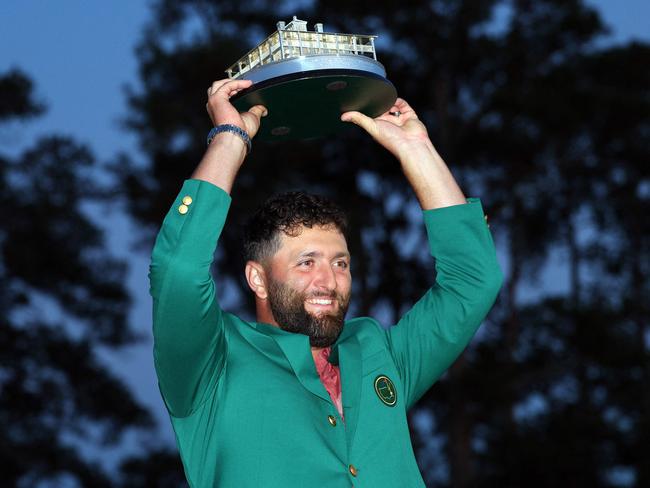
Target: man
[{"x": 302, "y": 398}]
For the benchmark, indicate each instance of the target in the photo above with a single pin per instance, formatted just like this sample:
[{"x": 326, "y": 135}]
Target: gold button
[
  {"x": 332, "y": 420},
  {"x": 353, "y": 470},
  {"x": 187, "y": 200},
  {"x": 182, "y": 209}
]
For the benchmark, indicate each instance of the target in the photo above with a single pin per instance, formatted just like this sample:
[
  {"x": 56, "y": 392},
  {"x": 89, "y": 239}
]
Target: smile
[{"x": 320, "y": 301}]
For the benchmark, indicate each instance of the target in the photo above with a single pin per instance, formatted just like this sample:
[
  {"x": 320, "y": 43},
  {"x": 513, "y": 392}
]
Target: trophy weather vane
[{"x": 307, "y": 79}]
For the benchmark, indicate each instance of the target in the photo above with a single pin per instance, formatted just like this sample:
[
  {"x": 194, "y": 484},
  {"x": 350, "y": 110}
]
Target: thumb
[
  {"x": 258, "y": 111},
  {"x": 361, "y": 120}
]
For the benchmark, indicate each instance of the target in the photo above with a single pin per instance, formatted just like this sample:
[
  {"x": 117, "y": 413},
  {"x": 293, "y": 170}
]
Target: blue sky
[{"x": 80, "y": 55}]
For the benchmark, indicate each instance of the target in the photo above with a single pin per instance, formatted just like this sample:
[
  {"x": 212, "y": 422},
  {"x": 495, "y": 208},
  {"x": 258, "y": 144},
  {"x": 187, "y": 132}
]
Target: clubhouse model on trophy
[{"x": 307, "y": 79}]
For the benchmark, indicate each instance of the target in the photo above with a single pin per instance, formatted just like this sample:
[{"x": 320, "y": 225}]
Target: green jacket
[{"x": 245, "y": 400}]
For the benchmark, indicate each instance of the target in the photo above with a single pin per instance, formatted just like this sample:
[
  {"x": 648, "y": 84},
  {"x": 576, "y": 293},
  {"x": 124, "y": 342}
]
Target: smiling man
[
  {"x": 302, "y": 397},
  {"x": 298, "y": 266}
]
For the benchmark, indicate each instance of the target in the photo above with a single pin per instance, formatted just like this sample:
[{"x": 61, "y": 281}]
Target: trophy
[{"x": 307, "y": 79}]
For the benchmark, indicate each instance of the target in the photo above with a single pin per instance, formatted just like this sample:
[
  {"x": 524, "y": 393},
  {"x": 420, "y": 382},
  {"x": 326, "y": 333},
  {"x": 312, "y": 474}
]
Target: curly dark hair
[{"x": 288, "y": 212}]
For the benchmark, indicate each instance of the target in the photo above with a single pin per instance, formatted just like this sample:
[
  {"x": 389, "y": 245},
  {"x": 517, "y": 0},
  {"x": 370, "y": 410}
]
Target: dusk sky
[{"x": 80, "y": 55}]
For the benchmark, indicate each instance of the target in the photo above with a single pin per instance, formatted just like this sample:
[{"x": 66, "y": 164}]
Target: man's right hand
[
  {"x": 221, "y": 111},
  {"x": 227, "y": 151}
]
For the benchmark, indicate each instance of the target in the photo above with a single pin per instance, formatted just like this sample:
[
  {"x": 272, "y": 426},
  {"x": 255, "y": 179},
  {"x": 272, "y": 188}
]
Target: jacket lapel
[
  {"x": 347, "y": 351},
  {"x": 296, "y": 349}
]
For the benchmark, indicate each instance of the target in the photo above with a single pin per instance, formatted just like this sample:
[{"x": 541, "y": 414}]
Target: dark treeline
[
  {"x": 62, "y": 296},
  {"x": 532, "y": 114}
]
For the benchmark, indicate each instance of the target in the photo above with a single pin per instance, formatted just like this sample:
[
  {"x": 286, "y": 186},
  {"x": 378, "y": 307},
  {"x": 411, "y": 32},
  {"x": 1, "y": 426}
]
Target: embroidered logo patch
[{"x": 385, "y": 390}]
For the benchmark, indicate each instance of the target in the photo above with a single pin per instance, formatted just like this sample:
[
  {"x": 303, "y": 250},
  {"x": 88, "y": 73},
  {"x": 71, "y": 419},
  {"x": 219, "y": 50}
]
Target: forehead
[{"x": 325, "y": 239}]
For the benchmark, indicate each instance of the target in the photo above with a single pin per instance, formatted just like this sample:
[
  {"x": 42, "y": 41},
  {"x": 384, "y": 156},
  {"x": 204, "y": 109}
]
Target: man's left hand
[{"x": 399, "y": 130}]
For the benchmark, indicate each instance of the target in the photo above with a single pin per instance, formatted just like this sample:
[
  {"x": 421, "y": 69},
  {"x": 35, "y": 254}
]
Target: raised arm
[
  {"x": 435, "y": 331},
  {"x": 227, "y": 151},
  {"x": 190, "y": 346},
  {"x": 401, "y": 132}
]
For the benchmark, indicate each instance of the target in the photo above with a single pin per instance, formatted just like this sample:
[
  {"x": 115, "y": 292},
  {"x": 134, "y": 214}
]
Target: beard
[{"x": 288, "y": 307}]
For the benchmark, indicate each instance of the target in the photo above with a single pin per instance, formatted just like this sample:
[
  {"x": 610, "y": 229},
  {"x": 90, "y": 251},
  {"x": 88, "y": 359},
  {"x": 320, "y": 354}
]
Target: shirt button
[
  {"x": 187, "y": 200},
  {"x": 182, "y": 209},
  {"x": 332, "y": 420},
  {"x": 353, "y": 470}
]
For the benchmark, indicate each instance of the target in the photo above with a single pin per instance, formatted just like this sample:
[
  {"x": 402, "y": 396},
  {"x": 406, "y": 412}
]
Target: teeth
[{"x": 320, "y": 301}]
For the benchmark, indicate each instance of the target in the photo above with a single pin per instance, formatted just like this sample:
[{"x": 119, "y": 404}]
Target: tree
[
  {"x": 536, "y": 118},
  {"x": 62, "y": 296}
]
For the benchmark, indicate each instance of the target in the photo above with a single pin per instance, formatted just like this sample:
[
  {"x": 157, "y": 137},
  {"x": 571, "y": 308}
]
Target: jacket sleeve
[
  {"x": 189, "y": 337},
  {"x": 430, "y": 336}
]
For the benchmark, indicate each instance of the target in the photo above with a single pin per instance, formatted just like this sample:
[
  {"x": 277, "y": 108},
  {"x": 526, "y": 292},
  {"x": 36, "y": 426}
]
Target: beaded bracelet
[{"x": 231, "y": 128}]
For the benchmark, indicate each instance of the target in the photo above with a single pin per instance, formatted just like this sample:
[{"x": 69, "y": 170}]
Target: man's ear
[{"x": 256, "y": 279}]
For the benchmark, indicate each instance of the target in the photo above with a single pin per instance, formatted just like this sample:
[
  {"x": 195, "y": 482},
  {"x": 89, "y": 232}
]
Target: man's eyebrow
[
  {"x": 310, "y": 254},
  {"x": 318, "y": 254}
]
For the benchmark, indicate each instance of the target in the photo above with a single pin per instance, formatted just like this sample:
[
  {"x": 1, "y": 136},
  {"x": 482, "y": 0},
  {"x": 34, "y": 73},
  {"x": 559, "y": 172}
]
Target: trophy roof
[{"x": 293, "y": 40}]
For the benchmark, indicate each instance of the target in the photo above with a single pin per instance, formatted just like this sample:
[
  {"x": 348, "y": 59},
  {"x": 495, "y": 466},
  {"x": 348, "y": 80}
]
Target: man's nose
[{"x": 325, "y": 277}]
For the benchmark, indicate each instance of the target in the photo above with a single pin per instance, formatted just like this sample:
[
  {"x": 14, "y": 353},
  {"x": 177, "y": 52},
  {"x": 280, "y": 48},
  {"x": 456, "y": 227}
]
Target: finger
[
  {"x": 216, "y": 85},
  {"x": 259, "y": 111},
  {"x": 402, "y": 106},
  {"x": 251, "y": 123},
  {"x": 252, "y": 118},
  {"x": 361, "y": 120},
  {"x": 400, "y": 102},
  {"x": 231, "y": 87}
]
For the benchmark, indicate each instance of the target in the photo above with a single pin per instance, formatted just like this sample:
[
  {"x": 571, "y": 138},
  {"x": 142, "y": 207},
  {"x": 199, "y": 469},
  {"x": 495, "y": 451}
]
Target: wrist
[
  {"x": 227, "y": 148},
  {"x": 417, "y": 150},
  {"x": 231, "y": 129},
  {"x": 222, "y": 161}
]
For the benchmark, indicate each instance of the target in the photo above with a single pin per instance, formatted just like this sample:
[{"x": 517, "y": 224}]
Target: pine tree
[{"x": 63, "y": 296}]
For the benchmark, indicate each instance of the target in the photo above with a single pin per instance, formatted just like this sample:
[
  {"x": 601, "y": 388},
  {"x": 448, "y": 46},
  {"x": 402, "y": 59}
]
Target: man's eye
[
  {"x": 305, "y": 264},
  {"x": 342, "y": 264}
]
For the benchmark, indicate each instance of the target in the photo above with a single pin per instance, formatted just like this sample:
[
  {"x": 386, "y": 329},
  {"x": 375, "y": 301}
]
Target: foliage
[{"x": 62, "y": 297}]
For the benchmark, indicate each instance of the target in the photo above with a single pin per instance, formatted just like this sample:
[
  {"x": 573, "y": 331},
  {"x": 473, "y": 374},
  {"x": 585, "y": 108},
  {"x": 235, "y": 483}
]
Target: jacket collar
[{"x": 296, "y": 349}]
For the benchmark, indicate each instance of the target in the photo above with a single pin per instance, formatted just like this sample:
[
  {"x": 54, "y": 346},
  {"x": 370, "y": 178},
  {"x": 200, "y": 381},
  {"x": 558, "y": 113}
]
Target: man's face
[{"x": 309, "y": 284}]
